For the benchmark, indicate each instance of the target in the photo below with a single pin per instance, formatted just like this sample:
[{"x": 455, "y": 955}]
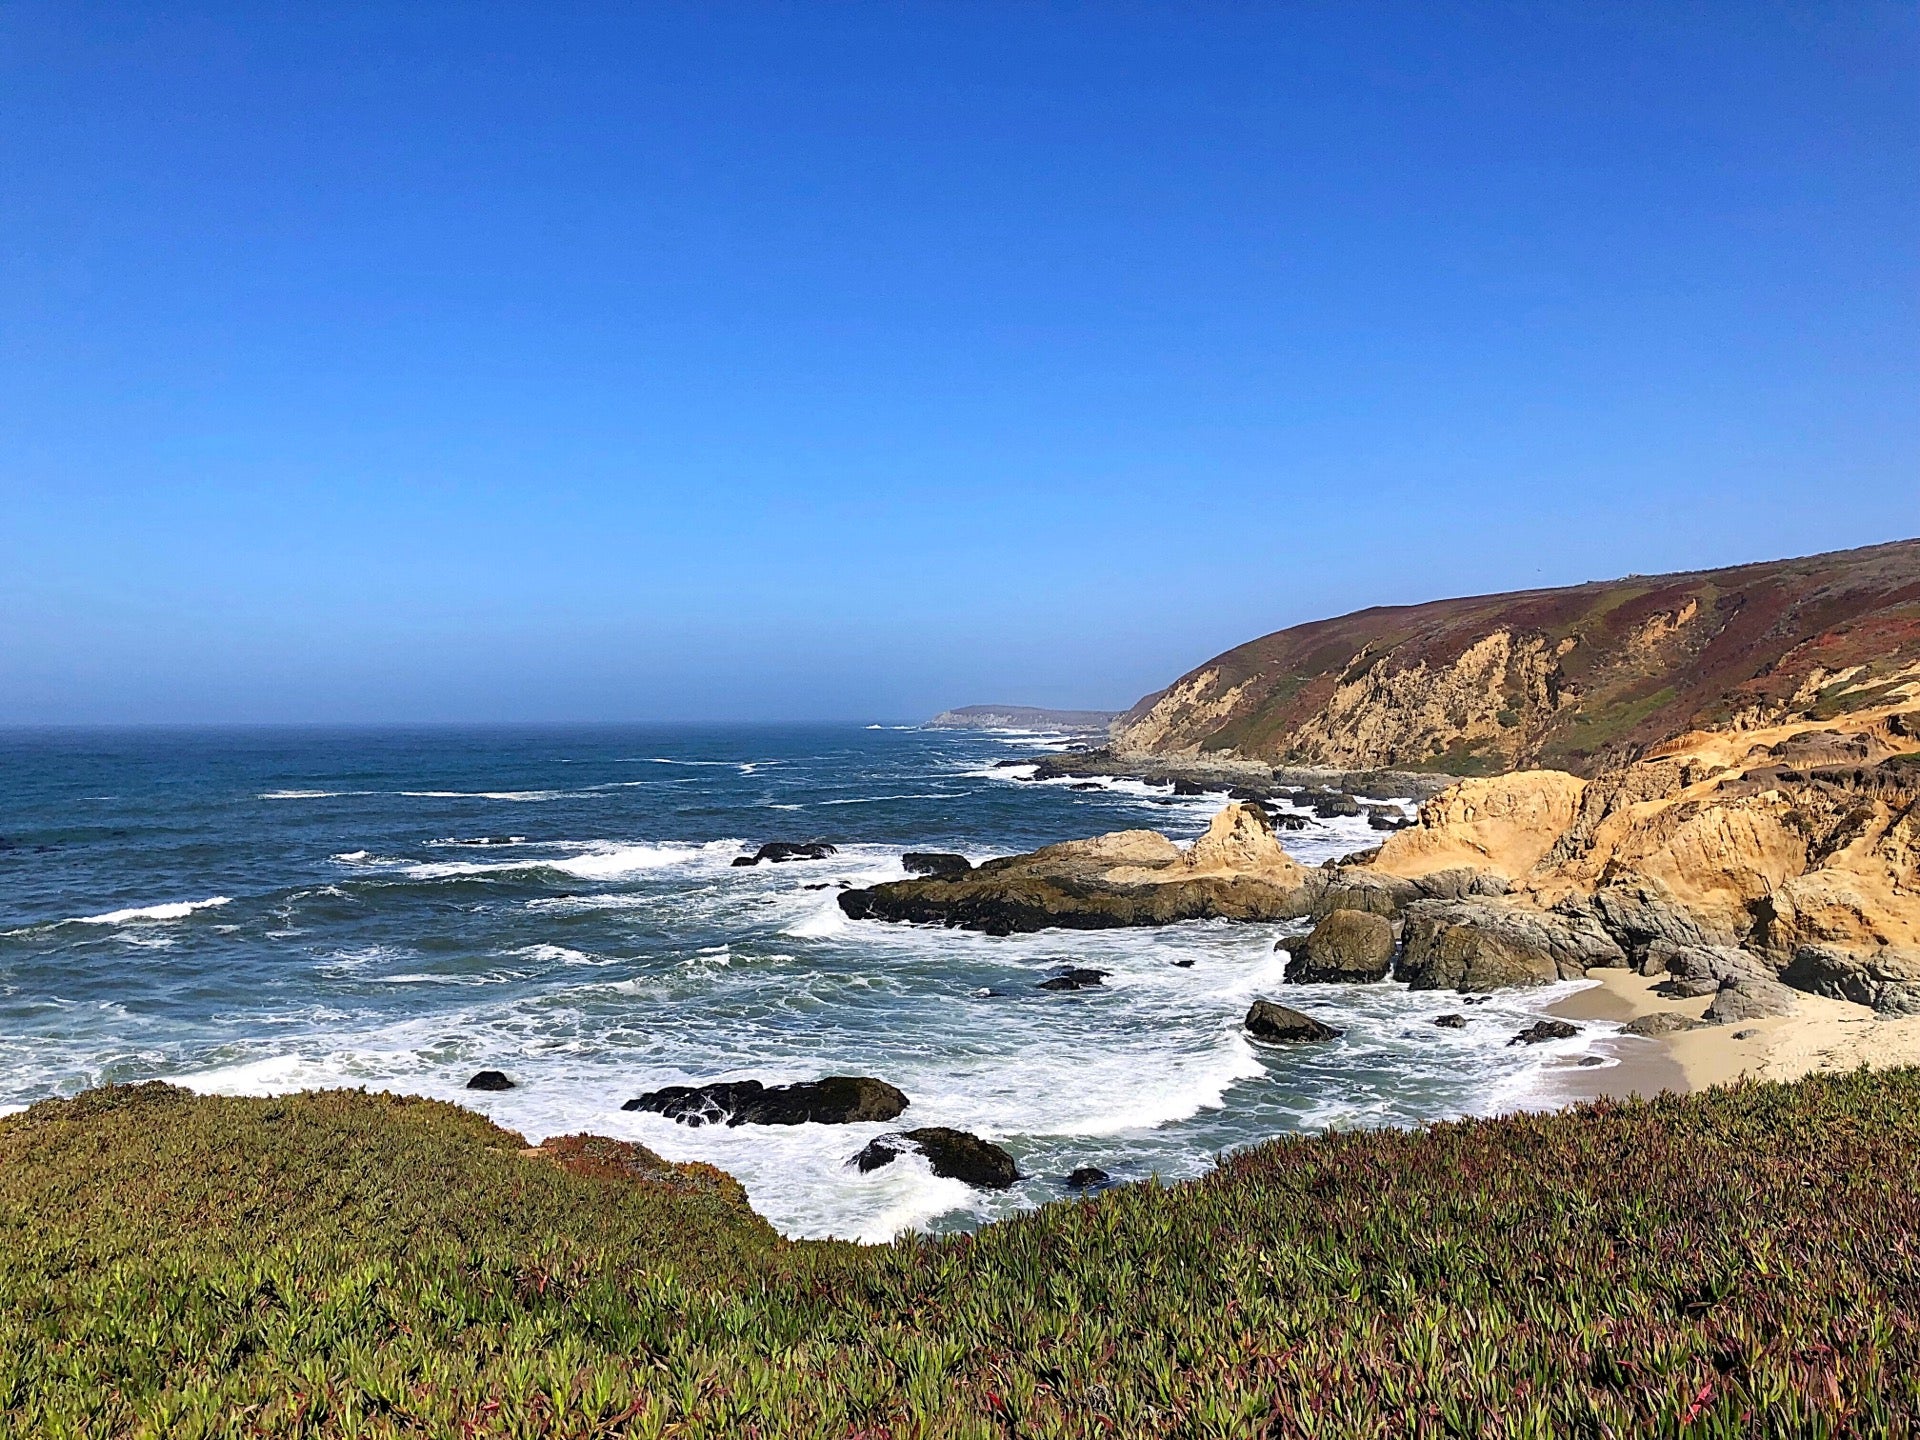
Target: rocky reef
[{"x": 1236, "y": 871}]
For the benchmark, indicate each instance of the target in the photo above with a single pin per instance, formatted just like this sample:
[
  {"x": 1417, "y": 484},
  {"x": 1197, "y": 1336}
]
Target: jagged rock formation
[
  {"x": 1715, "y": 861},
  {"x": 1236, "y": 871},
  {"x": 1579, "y": 679}
]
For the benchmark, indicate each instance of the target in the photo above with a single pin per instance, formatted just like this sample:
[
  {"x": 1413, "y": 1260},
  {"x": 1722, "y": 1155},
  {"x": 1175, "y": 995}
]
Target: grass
[{"x": 1736, "y": 1263}]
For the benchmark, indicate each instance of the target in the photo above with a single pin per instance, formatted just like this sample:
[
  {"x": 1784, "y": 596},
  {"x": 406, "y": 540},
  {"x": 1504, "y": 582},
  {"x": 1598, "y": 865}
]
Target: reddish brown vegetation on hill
[{"x": 1576, "y": 678}]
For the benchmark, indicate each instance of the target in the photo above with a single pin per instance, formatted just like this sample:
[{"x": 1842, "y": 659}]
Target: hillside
[
  {"x": 338, "y": 1264},
  {"x": 1578, "y": 678}
]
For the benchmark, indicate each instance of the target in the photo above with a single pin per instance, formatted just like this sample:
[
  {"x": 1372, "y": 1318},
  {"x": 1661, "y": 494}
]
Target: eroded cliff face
[
  {"x": 1799, "y": 841},
  {"x": 1581, "y": 679}
]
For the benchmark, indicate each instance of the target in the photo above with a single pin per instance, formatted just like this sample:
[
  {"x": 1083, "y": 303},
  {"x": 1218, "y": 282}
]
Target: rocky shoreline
[{"x": 1742, "y": 878}]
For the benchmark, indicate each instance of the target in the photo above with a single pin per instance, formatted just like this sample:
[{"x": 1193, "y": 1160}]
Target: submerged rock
[
  {"x": 1543, "y": 1030},
  {"x": 1348, "y": 945},
  {"x": 1281, "y": 1024},
  {"x": 1089, "y": 1177},
  {"x": 934, "y": 862},
  {"x": 779, "y": 851},
  {"x": 951, "y": 1154},
  {"x": 1074, "y": 979},
  {"x": 835, "y": 1100},
  {"x": 490, "y": 1080}
]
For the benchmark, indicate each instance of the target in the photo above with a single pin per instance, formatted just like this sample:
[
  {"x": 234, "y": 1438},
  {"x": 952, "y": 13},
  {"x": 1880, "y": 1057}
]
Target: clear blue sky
[{"x": 464, "y": 361}]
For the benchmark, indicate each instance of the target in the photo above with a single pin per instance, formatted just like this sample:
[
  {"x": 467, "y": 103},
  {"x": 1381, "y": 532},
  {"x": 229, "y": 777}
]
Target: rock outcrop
[
  {"x": 1472, "y": 945},
  {"x": 934, "y": 862},
  {"x": 951, "y": 1154},
  {"x": 777, "y": 852},
  {"x": 1236, "y": 871},
  {"x": 1276, "y": 1024},
  {"x": 835, "y": 1100},
  {"x": 1347, "y": 946}
]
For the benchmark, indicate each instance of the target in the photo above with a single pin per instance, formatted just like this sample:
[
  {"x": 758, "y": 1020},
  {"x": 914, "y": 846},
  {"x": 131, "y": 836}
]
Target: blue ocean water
[{"x": 254, "y": 911}]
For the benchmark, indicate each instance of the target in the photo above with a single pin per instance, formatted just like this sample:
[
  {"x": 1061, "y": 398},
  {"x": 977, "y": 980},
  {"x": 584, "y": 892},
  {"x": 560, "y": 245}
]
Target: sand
[{"x": 1821, "y": 1034}]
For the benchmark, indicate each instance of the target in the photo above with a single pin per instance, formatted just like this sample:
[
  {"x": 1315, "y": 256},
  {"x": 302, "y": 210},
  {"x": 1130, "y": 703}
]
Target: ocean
[{"x": 253, "y": 911}]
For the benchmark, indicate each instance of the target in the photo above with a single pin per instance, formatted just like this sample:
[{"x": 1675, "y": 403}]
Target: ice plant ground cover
[{"x": 1743, "y": 1261}]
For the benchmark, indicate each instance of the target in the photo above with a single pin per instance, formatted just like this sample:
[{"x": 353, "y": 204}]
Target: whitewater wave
[{"x": 151, "y": 914}]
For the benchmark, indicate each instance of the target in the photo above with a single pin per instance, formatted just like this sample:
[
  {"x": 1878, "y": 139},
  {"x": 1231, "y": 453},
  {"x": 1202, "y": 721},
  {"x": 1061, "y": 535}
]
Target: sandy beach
[{"x": 1821, "y": 1034}]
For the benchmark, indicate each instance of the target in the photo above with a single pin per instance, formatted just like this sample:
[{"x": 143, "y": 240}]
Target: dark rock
[
  {"x": 1749, "y": 997},
  {"x": 1329, "y": 807},
  {"x": 1089, "y": 1177},
  {"x": 1009, "y": 764},
  {"x": 1702, "y": 969},
  {"x": 935, "y": 862},
  {"x": 1287, "y": 820},
  {"x": 1485, "y": 944},
  {"x": 1074, "y": 979},
  {"x": 1387, "y": 820},
  {"x": 1542, "y": 1030},
  {"x": 1188, "y": 787},
  {"x": 1462, "y": 882},
  {"x": 1662, "y": 1022},
  {"x": 1086, "y": 785},
  {"x": 1887, "y": 978},
  {"x": 835, "y": 1100},
  {"x": 1279, "y": 1024},
  {"x": 1348, "y": 945},
  {"x": 1747, "y": 1034},
  {"x": 1588, "y": 1061},
  {"x": 952, "y": 1154},
  {"x": 779, "y": 851},
  {"x": 1183, "y": 964},
  {"x": 490, "y": 1080},
  {"x": 1452, "y": 1022}
]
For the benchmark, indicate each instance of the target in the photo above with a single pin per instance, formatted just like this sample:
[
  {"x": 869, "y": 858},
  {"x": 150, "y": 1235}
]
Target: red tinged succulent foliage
[{"x": 1742, "y": 1262}]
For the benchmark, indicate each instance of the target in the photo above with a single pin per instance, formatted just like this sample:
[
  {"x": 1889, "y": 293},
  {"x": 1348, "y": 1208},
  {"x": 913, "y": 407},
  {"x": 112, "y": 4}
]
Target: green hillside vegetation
[{"x": 1739, "y": 1262}]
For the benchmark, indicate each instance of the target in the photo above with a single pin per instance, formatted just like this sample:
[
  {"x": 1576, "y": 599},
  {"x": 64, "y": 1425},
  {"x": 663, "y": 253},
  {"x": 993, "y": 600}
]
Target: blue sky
[{"x": 521, "y": 362}]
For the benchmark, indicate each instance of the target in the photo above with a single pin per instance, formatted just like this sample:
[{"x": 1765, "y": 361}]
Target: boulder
[
  {"x": 1485, "y": 944},
  {"x": 1451, "y": 1022},
  {"x": 951, "y": 1154},
  {"x": 1701, "y": 969},
  {"x": 934, "y": 862},
  {"x": 835, "y": 1100},
  {"x": 1886, "y": 978},
  {"x": 1074, "y": 979},
  {"x": 1661, "y": 1022},
  {"x": 1461, "y": 882},
  {"x": 1329, "y": 807},
  {"x": 1278, "y": 1024},
  {"x": 779, "y": 851},
  {"x": 1089, "y": 1177},
  {"x": 490, "y": 1080},
  {"x": 1747, "y": 997},
  {"x": 1542, "y": 1030},
  {"x": 1348, "y": 945}
]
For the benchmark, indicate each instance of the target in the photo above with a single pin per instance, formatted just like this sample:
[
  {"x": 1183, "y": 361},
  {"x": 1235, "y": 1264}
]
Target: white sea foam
[
  {"x": 490, "y": 794},
  {"x": 145, "y": 914}
]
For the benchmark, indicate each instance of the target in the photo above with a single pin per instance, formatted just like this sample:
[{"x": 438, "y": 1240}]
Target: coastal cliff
[{"x": 1577, "y": 679}]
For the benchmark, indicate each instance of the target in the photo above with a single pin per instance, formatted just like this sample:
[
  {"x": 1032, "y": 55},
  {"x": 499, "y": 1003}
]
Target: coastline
[{"x": 1821, "y": 1035}]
